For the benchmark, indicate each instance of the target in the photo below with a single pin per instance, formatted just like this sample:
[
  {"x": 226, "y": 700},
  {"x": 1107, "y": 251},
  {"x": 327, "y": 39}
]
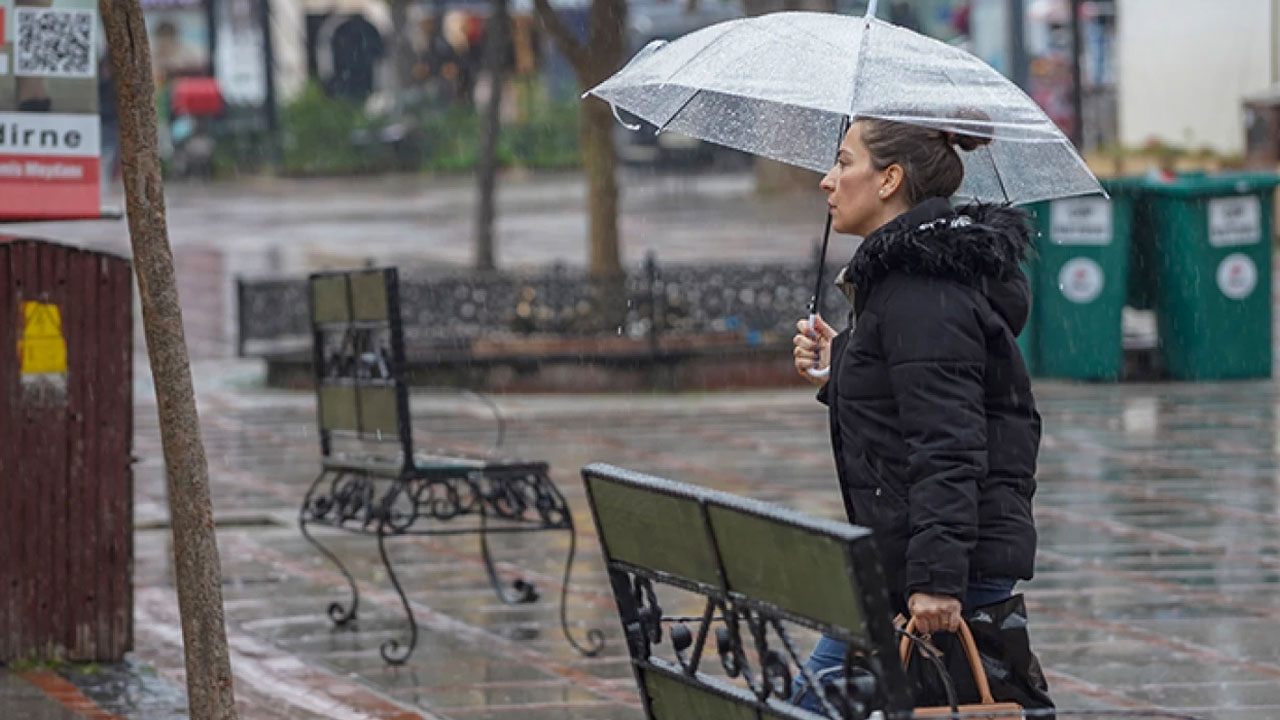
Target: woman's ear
[{"x": 891, "y": 181}]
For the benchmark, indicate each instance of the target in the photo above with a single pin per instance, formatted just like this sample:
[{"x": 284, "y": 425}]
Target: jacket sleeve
[
  {"x": 934, "y": 345},
  {"x": 838, "y": 344}
]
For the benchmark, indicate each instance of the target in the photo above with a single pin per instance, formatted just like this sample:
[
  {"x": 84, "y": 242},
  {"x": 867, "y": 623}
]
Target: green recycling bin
[
  {"x": 1212, "y": 240},
  {"x": 1080, "y": 285},
  {"x": 1131, "y": 191}
]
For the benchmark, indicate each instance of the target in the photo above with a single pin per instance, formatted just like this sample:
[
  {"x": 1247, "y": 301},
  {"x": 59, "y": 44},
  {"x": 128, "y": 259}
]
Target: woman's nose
[{"x": 828, "y": 182}]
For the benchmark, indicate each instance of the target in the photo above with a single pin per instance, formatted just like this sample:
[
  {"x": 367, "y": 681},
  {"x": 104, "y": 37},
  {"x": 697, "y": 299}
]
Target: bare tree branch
[{"x": 566, "y": 41}]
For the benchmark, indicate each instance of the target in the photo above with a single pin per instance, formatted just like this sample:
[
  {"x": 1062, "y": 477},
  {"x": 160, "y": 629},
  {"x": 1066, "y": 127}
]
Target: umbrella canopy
[{"x": 783, "y": 85}]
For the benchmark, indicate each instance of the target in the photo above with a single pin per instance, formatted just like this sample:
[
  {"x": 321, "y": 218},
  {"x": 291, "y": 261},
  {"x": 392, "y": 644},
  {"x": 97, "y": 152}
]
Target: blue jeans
[{"x": 829, "y": 652}]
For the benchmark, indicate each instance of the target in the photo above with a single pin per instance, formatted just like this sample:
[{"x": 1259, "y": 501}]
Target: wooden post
[{"x": 209, "y": 691}]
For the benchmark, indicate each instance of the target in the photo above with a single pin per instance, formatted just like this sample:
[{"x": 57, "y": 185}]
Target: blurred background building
[{"x": 1126, "y": 77}]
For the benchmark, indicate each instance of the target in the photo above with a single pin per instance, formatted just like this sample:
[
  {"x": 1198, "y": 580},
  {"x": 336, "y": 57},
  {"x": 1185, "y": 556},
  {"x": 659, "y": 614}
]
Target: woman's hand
[
  {"x": 934, "y": 613},
  {"x": 812, "y": 348}
]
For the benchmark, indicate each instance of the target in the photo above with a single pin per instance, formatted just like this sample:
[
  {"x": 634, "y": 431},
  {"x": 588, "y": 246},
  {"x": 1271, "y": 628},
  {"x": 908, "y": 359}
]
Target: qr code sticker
[{"x": 53, "y": 42}]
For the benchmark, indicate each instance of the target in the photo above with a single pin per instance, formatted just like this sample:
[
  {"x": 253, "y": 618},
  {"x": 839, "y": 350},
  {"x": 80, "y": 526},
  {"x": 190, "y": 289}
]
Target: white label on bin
[
  {"x": 1235, "y": 221},
  {"x": 1080, "y": 221},
  {"x": 1081, "y": 280},
  {"x": 1237, "y": 276}
]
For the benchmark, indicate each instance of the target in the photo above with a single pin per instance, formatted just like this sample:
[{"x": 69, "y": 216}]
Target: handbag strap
[{"x": 970, "y": 651}]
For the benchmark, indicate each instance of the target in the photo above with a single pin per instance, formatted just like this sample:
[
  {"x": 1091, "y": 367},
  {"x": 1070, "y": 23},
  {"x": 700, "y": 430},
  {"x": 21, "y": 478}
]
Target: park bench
[
  {"x": 756, "y": 570},
  {"x": 373, "y": 481}
]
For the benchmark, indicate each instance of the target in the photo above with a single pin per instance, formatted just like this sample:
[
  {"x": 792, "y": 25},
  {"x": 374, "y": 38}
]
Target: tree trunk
[
  {"x": 593, "y": 61},
  {"x": 209, "y": 690},
  {"x": 401, "y": 52},
  {"x": 773, "y": 177},
  {"x": 776, "y": 178},
  {"x": 487, "y": 168},
  {"x": 599, "y": 165}
]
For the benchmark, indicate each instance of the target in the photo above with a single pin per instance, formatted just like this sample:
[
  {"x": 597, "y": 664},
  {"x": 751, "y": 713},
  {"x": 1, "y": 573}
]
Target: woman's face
[{"x": 857, "y": 192}]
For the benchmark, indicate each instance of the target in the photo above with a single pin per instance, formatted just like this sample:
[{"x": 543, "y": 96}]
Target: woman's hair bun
[
  {"x": 978, "y": 121},
  {"x": 968, "y": 143}
]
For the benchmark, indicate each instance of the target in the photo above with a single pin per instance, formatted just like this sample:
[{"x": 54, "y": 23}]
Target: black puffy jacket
[{"x": 933, "y": 424}]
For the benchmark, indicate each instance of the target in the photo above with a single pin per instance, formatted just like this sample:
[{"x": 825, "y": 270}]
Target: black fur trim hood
[{"x": 977, "y": 244}]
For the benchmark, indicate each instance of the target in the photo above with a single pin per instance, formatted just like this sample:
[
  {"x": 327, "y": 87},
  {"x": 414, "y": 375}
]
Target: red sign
[
  {"x": 49, "y": 126},
  {"x": 49, "y": 166}
]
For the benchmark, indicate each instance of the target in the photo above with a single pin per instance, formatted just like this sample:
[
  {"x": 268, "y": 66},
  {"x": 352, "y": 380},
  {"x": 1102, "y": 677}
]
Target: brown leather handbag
[{"x": 995, "y": 710}]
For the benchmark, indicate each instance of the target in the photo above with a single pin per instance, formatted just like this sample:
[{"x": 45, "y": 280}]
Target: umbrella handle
[{"x": 816, "y": 372}]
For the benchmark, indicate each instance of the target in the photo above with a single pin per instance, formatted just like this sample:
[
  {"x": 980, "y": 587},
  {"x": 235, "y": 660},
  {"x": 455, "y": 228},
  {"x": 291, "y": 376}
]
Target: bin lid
[
  {"x": 1123, "y": 185},
  {"x": 1205, "y": 185}
]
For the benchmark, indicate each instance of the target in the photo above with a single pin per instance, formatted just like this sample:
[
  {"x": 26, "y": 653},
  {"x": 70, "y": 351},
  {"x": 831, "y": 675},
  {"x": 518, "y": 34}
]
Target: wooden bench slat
[
  {"x": 654, "y": 530},
  {"x": 369, "y": 296},
  {"x": 338, "y": 408},
  {"x": 378, "y": 411},
  {"x": 785, "y": 565},
  {"x": 329, "y": 299},
  {"x": 671, "y": 698}
]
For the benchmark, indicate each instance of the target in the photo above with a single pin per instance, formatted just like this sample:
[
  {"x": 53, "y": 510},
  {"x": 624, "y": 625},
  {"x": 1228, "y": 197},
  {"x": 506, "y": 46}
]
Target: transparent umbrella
[
  {"x": 786, "y": 85},
  {"x": 783, "y": 85}
]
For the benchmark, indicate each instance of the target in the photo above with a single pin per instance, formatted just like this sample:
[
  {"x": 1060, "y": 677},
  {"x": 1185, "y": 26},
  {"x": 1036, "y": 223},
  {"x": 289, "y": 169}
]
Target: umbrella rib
[
  {"x": 990, "y": 155},
  {"x": 863, "y": 42},
  {"x": 683, "y": 105}
]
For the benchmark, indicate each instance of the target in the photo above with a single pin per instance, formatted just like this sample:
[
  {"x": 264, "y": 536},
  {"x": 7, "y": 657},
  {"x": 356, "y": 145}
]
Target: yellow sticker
[{"x": 41, "y": 346}]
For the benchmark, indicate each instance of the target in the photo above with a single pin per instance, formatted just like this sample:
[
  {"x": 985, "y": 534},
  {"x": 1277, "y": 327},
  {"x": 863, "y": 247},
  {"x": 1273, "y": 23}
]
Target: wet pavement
[
  {"x": 1158, "y": 570},
  {"x": 1160, "y": 537}
]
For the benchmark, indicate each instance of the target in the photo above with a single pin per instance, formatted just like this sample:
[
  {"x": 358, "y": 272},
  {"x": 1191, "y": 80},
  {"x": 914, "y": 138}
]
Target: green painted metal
[
  {"x": 670, "y": 698},
  {"x": 1213, "y": 238},
  {"x": 329, "y": 299},
  {"x": 1080, "y": 285},
  {"x": 654, "y": 530},
  {"x": 784, "y": 565},
  {"x": 378, "y": 411},
  {"x": 369, "y": 296},
  {"x": 338, "y": 409},
  {"x": 1141, "y": 293}
]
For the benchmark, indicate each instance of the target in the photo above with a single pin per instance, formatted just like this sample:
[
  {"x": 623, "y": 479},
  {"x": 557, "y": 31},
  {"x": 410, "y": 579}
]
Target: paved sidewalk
[{"x": 1158, "y": 571}]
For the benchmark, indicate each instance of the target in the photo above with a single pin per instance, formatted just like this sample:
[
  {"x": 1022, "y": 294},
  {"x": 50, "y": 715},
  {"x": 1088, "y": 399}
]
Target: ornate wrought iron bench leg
[
  {"x": 391, "y": 648},
  {"x": 595, "y": 636},
  {"x": 337, "y": 613},
  {"x": 525, "y": 592}
]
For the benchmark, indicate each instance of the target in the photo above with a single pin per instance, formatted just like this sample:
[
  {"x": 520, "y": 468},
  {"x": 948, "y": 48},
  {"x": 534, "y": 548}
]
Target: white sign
[
  {"x": 1080, "y": 221},
  {"x": 1237, "y": 276},
  {"x": 1235, "y": 221},
  {"x": 1081, "y": 280},
  {"x": 4, "y": 62},
  {"x": 49, "y": 134}
]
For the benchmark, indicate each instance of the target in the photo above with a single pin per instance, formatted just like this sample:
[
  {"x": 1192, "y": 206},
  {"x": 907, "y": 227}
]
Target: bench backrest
[
  {"x": 758, "y": 566},
  {"x": 359, "y": 363}
]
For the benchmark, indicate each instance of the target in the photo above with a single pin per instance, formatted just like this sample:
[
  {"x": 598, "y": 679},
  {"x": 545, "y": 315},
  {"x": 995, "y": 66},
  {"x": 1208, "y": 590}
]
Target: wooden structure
[{"x": 66, "y": 432}]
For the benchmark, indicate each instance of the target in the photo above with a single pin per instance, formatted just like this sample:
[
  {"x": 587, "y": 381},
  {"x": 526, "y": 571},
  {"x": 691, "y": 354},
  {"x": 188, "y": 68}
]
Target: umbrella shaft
[{"x": 816, "y": 302}]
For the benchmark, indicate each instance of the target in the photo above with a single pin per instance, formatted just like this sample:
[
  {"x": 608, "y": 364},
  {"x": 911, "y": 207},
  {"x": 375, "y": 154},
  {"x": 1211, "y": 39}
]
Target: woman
[{"x": 933, "y": 424}]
